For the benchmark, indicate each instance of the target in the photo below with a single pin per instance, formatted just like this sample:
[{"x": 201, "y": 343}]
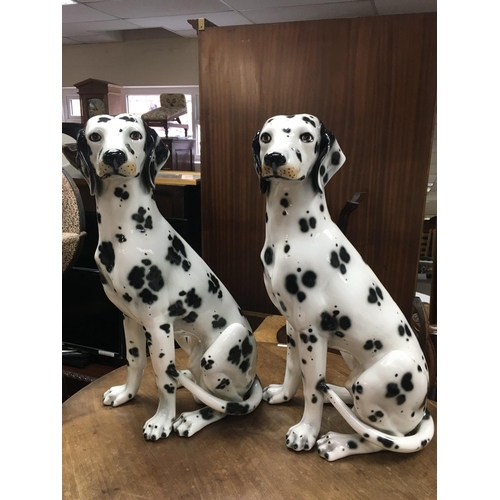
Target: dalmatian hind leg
[
  {"x": 227, "y": 384},
  {"x": 391, "y": 395}
]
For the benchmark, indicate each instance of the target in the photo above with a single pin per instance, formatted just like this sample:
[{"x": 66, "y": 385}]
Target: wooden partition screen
[{"x": 372, "y": 82}]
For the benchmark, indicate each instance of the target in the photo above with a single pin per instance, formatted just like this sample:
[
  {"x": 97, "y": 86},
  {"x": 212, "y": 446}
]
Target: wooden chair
[
  {"x": 348, "y": 209},
  {"x": 172, "y": 107},
  {"x": 427, "y": 250},
  {"x": 422, "y": 328}
]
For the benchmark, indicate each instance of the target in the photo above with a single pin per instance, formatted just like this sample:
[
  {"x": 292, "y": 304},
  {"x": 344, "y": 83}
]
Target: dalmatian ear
[
  {"x": 330, "y": 159},
  {"x": 157, "y": 154},
  {"x": 78, "y": 156},
  {"x": 264, "y": 185}
]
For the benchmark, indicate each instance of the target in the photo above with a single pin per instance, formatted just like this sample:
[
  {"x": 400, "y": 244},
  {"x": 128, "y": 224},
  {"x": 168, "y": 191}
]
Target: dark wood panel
[
  {"x": 182, "y": 153},
  {"x": 372, "y": 81}
]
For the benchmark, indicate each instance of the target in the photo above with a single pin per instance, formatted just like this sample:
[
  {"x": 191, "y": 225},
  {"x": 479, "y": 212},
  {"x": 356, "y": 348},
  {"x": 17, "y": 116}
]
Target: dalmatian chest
[
  {"x": 301, "y": 242},
  {"x": 312, "y": 274},
  {"x": 131, "y": 242},
  {"x": 147, "y": 269}
]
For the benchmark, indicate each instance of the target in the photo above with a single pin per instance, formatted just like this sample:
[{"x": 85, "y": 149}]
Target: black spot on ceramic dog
[{"x": 107, "y": 255}]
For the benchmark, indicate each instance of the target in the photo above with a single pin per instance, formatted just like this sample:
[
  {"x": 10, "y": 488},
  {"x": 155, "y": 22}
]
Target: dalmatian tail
[
  {"x": 400, "y": 444},
  {"x": 221, "y": 405}
]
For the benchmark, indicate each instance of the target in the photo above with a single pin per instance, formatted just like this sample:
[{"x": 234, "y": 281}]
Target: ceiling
[
  {"x": 98, "y": 21},
  {"x": 104, "y": 21}
]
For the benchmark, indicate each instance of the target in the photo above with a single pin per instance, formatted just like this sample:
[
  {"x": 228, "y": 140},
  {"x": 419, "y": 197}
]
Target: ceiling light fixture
[{"x": 68, "y": 2}]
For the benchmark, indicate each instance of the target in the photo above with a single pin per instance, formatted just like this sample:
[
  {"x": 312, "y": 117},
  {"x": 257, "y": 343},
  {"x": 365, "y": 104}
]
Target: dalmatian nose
[
  {"x": 115, "y": 158},
  {"x": 274, "y": 160}
]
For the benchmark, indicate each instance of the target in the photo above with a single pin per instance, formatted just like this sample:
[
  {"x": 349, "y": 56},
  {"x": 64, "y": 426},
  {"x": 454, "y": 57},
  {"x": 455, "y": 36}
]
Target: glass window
[{"x": 74, "y": 106}]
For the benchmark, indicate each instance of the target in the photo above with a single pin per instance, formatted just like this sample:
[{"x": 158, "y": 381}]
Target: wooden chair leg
[{"x": 420, "y": 325}]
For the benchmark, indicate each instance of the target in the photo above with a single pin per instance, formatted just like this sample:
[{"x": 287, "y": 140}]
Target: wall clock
[{"x": 98, "y": 97}]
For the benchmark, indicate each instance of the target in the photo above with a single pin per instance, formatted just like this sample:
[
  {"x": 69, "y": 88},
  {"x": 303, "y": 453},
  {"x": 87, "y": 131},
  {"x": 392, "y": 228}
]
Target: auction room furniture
[
  {"x": 182, "y": 153},
  {"x": 172, "y": 107},
  {"x": 105, "y": 455},
  {"x": 73, "y": 221},
  {"x": 98, "y": 97}
]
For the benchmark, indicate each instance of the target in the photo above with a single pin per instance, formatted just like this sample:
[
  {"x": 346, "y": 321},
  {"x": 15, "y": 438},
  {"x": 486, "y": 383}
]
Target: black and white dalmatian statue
[
  {"x": 164, "y": 289},
  {"x": 331, "y": 298}
]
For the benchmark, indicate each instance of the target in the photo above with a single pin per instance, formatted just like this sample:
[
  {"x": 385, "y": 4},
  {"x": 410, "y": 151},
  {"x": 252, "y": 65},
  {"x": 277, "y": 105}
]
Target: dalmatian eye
[
  {"x": 265, "y": 138},
  {"x": 306, "y": 137},
  {"x": 136, "y": 136},
  {"x": 94, "y": 137}
]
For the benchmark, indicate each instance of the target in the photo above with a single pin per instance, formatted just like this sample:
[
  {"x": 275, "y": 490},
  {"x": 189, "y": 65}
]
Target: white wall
[{"x": 170, "y": 61}]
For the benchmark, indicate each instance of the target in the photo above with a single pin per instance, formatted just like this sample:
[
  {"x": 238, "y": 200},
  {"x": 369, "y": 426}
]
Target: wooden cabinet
[
  {"x": 182, "y": 153},
  {"x": 181, "y": 206}
]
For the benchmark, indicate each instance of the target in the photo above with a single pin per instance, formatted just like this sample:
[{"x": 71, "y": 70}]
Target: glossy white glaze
[
  {"x": 331, "y": 298},
  {"x": 163, "y": 287}
]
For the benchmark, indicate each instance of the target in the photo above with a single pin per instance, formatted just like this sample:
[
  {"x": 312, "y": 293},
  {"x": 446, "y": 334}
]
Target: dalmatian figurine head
[
  {"x": 296, "y": 147},
  {"x": 120, "y": 146}
]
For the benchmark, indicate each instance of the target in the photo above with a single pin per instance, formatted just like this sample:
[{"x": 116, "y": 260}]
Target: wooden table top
[
  {"x": 239, "y": 457},
  {"x": 177, "y": 178}
]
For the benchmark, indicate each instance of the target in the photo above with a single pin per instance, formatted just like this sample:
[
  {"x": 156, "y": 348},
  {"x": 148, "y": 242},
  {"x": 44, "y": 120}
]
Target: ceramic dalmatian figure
[
  {"x": 164, "y": 289},
  {"x": 331, "y": 298}
]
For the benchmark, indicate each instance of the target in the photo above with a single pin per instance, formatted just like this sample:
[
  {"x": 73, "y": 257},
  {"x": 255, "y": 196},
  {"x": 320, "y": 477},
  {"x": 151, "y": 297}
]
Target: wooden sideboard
[{"x": 182, "y": 153}]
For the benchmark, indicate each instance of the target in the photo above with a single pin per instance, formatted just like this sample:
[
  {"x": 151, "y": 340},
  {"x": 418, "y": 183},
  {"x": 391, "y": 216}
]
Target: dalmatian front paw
[
  {"x": 159, "y": 426},
  {"x": 190, "y": 422},
  {"x": 275, "y": 394},
  {"x": 117, "y": 395},
  {"x": 334, "y": 445},
  {"x": 301, "y": 437}
]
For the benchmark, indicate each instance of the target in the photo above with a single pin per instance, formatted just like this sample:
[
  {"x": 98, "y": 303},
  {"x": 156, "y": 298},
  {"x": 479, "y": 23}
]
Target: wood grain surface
[
  {"x": 106, "y": 457},
  {"x": 372, "y": 81}
]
